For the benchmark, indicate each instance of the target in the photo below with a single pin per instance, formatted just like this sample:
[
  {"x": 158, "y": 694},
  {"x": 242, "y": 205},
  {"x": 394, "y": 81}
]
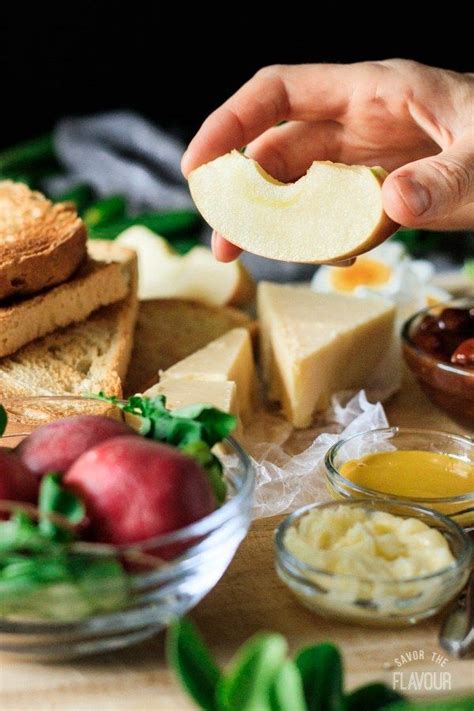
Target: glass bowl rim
[
  {"x": 333, "y": 474},
  {"x": 289, "y": 560},
  {"x": 408, "y": 342},
  {"x": 197, "y": 529}
]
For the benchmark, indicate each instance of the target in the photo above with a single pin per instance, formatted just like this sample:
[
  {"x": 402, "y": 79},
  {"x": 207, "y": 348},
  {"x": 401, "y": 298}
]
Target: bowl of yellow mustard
[
  {"x": 372, "y": 562},
  {"x": 412, "y": 466}
]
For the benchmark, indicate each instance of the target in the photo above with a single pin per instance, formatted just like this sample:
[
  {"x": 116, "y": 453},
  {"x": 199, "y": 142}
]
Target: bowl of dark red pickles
[{"x": 438, "y": 346}]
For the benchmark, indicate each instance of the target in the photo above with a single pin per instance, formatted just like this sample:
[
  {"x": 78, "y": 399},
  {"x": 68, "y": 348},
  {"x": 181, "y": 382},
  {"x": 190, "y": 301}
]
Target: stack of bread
[{"x": 67, "y": 306}]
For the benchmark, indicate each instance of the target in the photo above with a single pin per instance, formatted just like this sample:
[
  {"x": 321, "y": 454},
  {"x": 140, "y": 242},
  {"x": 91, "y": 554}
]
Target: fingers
[
  {"x": 223, "y": 250},
  {"x": 286, "y": 152},
  {"x": 432, "y": 189},
  {"x": 305, "y": 92}
]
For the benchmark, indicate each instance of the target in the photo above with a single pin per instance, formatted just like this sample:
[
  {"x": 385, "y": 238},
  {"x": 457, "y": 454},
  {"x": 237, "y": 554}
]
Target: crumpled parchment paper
[{"x": 289, "y": 463}]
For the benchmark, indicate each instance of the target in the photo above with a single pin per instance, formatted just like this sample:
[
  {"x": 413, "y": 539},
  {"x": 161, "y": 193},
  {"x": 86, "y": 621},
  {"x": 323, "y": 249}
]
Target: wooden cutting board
[{"x": 248, "y": 599}]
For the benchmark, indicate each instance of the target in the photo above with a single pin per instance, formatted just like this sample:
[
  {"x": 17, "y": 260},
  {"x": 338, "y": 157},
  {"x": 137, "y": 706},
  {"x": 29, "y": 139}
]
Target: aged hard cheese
[
  {"x": 314, "y": 345},
  {"x": 228, "y": 359}
]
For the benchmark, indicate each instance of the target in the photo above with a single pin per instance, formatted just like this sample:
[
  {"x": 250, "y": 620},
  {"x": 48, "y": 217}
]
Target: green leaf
[
  {"x": 20, "y": 533},
  {"x": 468, "y": 268},
  {"x": 23, "y": 154},
  {"x": 372, "y": 696},
  {"x": 192, "y": 663},
  {"x": 464, "y": 704},
  {"x": 176, "y": 223},
  {"x": 217, "y": 424},
  {"x": 321, "y": 670},
  {"x": 247, "y": 687},
  {"x": 286, "y": 692},
  {"x": 3, "y": 420},
  {"x": 202, "y": 453},
  {"x": 53, "y": 498},
  {"x": 105, "y": 211},
  {"x": 81, "y": 195}
]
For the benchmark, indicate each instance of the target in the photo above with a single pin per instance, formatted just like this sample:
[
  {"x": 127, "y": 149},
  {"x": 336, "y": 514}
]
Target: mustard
[{"x": 412, "y": 474}]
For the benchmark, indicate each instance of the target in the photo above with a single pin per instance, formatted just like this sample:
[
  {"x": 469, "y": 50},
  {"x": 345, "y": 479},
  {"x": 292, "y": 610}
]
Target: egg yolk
[
  {"x": 412, "y": 474},
  {"x": 364, "y": 272}
]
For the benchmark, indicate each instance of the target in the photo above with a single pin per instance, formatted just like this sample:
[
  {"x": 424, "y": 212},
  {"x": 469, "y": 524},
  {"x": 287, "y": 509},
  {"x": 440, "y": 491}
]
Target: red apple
[
  {"x": 54, "y": 447},
  {"x": 135, "y": 489},
  {"x": 16, "y": 482}
]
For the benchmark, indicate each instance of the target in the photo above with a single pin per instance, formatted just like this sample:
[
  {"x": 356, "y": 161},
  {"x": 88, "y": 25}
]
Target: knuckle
[
  {"x": 456, "y": 174},
  {"x": 271, "y": 71}
]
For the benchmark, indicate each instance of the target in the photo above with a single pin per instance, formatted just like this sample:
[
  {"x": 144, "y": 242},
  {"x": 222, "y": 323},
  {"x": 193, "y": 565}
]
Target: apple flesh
[
  {"x": 333, "y": 212},
  {"x": 17, "y": 483},
  {"x": 55, "y": 446},
  {"x": 196, "y": 276},
  {"x": 135, "y": 489}
]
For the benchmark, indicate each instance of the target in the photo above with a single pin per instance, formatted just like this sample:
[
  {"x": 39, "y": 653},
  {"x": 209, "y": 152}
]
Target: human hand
[{"x": 414, "y": 120}]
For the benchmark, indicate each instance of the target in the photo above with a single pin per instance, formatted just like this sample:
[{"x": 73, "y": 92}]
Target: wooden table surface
[{"x": 248, "y": 599}]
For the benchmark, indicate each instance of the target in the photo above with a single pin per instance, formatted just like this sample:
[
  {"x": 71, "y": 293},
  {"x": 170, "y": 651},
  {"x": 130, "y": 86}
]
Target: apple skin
[
  {"x": 55, "y": 446},
  {"x": 17, "y": 483},
  {"x": 134, "y": 489}
]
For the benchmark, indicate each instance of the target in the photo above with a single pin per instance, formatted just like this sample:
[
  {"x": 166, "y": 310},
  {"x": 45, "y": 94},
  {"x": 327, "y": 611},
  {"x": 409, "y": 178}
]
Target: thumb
[{"x": 430, "y": 189}]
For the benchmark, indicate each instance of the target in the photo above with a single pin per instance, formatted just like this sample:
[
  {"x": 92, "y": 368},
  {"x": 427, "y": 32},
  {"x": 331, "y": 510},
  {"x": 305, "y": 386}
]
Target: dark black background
[{"x": 177, "y": 69}]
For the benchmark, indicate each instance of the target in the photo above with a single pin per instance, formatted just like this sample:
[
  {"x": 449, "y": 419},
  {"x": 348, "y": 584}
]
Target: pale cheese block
[
  {"x": 314, "y": 345},
  {"x": 196, "y": 276},
  {"x": 180, "y": 393},
  {"x": 228, "y": 358}
]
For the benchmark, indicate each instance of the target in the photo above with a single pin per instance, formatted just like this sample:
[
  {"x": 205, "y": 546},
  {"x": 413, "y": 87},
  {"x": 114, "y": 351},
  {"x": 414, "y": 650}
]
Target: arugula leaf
[
  {"x": 193, "y": 664},
  {"x": 286, "y": 692},
  {"x": 202, "y": 453},
  {"x": 20, "y": 533},
  {"x": 372, "y": 696},
  {"x": 3, "y": 420},
  {"x": 464, "y": 704},
  {"x": 53, "y": 498},
  {"x": 321, "y": 670},
  {"x": 247, "y": 686}
]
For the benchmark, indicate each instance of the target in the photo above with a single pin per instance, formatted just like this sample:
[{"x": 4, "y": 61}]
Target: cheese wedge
[
  {"x": 228, "y": 358},
  {"x": 180, "y": 393},
  {"x": 314, "y": 345}
]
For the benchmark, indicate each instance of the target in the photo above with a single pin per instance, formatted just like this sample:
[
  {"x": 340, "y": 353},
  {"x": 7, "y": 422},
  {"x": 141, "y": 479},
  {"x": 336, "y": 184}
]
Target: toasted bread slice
[
  {"x": 169, "y": 330},
  {"x": 41, "y": 244},
  {"x": 102, "y": 279},
  {"x": 87, "y": 357}
]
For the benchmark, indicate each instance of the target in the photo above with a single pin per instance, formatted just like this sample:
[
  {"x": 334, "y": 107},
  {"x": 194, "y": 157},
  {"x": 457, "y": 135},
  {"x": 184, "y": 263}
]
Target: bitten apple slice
[
  {"x": 333, "y": 212},
  {"x": 197, "y": 276}
]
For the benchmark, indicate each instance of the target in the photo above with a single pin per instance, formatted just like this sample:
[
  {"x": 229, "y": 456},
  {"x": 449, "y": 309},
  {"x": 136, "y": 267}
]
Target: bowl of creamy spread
[{"x": 371, "y": 561}]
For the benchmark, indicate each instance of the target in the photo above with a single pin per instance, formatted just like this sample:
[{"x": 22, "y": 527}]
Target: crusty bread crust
[
  {"x": 41, "y": 244},
  {"x": 86, "y": 357},
  {"x": 103, "y": 279}
]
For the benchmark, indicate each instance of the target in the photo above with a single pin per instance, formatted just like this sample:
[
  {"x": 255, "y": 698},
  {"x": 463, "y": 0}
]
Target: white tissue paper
[{"x": 289, "y": 464}]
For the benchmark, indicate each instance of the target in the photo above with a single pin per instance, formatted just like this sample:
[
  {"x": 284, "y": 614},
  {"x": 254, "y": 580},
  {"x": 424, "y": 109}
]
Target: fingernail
[{"x": 415, "y": 196}]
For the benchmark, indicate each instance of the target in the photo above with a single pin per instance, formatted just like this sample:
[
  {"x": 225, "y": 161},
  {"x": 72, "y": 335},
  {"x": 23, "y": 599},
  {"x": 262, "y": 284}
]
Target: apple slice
[
  {"x": 197, "y": 276},
  {"x": 333, "y": 212}
]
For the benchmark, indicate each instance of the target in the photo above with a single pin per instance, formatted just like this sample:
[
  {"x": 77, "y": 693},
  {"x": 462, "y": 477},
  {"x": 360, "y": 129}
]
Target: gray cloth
[{"x": 122, "y": 153}]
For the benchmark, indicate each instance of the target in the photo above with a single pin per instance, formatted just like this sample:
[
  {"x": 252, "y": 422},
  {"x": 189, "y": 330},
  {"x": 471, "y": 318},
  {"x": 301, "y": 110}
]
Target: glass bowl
[
  {"x": 376, "y": 602},
  {"x": 120, "y": 595},
  {"x": 460, "y": 508},
  {"x": 449, "y": 387}
]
